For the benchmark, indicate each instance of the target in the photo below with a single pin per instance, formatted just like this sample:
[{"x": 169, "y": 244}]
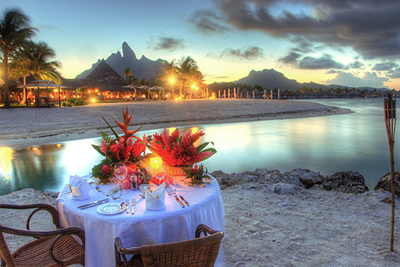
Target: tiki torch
[{"x": 390, "y": 122}]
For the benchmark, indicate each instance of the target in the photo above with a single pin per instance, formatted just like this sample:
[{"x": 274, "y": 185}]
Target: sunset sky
[{"x": 349, "y": 42}]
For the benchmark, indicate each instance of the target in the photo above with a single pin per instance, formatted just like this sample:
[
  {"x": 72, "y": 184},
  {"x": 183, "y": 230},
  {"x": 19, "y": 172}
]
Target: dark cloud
[
  {"x": 385, "y": 66},
  {"x": 323, "y": 62},
  {"x": 290, "y": 59},
  {"x": 370, "y": 79},
  {"x": 356, "y": 65},
  {"x": 370, "y": 27},
  {"x": 206, "y": 21},
  {"x": 251, "y": 52},
  {"x": 394, "y": 73},
  {"x": 166, "y": 43}
]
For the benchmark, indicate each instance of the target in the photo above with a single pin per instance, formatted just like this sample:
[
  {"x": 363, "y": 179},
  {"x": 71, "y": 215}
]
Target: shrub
[{"x": 76, "y": 101}]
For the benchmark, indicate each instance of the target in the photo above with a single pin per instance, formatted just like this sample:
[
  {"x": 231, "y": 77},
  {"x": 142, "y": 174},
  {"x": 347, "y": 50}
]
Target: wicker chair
[
  {"x": 51, "y": 248},
  {"x": 201, "y": 251}
]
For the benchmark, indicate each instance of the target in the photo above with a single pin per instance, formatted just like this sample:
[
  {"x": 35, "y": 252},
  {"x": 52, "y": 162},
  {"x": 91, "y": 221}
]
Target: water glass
[
  {"x": 120, "y": 171},
  {"x": 171, "y": 189},
  {"x": 115, "y": 192}
]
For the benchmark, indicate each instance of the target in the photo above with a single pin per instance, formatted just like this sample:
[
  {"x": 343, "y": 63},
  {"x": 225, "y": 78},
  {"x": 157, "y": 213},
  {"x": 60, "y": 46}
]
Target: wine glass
[
  {"x": 157, "y": 169},
  {"x": 120, "y": 172}
]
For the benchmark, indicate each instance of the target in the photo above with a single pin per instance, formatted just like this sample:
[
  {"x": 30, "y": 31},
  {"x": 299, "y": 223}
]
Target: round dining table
[{"x": 169, "y": 224}]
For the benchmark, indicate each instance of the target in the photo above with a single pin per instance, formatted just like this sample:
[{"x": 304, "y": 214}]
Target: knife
[
  {"x": 184, "y": 200},
  {"x": 180, "y": 202},
  {"x": 92, "y": 203}
]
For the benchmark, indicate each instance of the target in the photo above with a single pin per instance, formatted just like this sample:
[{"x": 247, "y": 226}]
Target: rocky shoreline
[{"x": 278, "y": 219}]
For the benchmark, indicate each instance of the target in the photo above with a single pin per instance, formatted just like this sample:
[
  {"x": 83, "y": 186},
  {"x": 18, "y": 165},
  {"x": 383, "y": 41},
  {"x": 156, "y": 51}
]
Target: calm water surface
[{"x": 327, "y": 144}]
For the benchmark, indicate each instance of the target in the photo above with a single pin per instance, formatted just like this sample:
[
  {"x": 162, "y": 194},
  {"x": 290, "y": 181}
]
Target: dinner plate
[{"x": 110, "y": 208}]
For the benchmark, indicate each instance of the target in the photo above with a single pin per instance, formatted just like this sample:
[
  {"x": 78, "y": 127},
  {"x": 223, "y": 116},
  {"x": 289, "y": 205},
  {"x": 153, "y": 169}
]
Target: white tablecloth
[{"x": 173, "y": 223}]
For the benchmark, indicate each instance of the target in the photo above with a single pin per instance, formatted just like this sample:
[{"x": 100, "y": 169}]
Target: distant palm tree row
[{"x": 21, "y": 57}]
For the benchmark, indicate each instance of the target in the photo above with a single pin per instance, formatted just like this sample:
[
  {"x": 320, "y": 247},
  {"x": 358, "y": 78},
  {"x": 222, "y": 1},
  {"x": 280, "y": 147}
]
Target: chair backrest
[
  {"x": 5, "y": 253},
  {"x": 199, "y": 252}
]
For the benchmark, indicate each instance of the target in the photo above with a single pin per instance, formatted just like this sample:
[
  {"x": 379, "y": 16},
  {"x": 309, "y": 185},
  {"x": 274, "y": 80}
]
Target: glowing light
[
  {"x": 93, "y": 100},
  {"x": 6, "y": 157},
  {"x": 171, "y": 80},
  {"x": 212, "y": 96},
  {"x": 36, "y": 150}
]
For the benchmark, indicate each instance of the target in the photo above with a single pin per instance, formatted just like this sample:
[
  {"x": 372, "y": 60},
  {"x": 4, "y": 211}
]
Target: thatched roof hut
[{"x": 103, "y": 78}]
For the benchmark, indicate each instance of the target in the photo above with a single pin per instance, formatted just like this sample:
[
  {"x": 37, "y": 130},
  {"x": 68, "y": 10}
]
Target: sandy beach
[
  {"x": 263, "y": 226},
  {"x": 34, "y": 126}
]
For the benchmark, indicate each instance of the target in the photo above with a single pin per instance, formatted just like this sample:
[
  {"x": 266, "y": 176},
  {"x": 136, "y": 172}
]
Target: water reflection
[
  {"x": 328, "y": 144},
  {"x": 6, "y": 157}
]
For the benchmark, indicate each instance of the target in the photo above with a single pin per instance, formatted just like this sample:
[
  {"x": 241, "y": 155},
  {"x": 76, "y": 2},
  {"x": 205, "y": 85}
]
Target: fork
[
  {"x": 133, "y": 205},
  {"x": 127, "y": 202}
]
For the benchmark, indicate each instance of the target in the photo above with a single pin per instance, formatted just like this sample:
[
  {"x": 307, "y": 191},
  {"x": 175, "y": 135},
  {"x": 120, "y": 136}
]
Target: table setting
[{"x": 133, "y": 194}]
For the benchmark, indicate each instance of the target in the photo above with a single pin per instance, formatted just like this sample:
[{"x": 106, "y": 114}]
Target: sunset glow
[{"x": 303, "y": 41}]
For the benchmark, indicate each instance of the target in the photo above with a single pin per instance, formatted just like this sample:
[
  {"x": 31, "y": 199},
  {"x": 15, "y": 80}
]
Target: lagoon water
[{"x": 328, "y": 144}]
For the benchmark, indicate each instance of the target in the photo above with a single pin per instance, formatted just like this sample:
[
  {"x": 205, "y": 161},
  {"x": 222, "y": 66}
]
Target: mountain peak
[
  {"x": 127, "y": 52},
  {"x": 142, "y": 69}
]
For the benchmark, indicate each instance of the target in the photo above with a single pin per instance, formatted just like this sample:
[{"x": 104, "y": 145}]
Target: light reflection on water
[{"x": 327, "y": 144}]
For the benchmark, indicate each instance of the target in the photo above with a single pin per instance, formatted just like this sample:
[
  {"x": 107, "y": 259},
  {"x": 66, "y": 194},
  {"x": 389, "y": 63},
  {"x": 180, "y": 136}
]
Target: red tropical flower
[{"x": 180, "y": 151}]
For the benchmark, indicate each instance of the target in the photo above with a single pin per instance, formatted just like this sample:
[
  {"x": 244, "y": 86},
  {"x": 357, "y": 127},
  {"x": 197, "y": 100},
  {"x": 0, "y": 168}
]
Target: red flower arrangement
[
  {"x": 180, "y": 151},
  {"x": 196, "y": 174},
  {"x": 127, "y": 148}
]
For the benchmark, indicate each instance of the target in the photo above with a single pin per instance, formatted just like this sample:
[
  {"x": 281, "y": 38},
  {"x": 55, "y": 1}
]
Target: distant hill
[
  {"x": 142, "y": 68},
  {"x": 270, "y": 79}
]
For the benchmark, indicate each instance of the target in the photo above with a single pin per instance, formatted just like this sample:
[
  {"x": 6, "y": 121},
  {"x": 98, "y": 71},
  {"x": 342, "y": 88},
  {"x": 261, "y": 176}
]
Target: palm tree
[
  {"x": 39, "y": 66},
  {"x": 169, "y": 74},
  {"x": 33, "y": 59},
  {"x": 186, "y": 67},
  {"x": 14, "y": 31},
  {"x": 127, "y": 73}
]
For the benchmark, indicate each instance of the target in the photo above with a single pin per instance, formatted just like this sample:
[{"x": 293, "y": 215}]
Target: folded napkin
[
  {"x": 155, "y": 200},
  {"x": 79, "y": 187}
]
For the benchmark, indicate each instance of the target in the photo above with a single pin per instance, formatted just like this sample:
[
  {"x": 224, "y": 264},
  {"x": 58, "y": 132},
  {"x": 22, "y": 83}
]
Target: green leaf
[
  {"x": 97, "y": 148},
  {"x": 208, "y": 149},
  {"x": 109, "y": 126}
]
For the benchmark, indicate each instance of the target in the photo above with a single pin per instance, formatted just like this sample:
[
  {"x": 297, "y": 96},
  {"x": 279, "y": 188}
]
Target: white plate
[{"x": 110, "y": 209}]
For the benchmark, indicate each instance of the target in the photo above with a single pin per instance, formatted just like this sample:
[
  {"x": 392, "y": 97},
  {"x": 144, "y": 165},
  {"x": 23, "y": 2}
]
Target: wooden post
[
  {"x": 38, "y": 96},
  {"x": 59, "y": 97},
  {"x": 390, "y": 122}
]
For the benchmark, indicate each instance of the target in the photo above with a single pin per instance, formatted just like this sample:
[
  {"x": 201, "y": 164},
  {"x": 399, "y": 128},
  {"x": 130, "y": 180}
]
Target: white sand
[
  {"x": 33, "y": 126},
  {"x": 309, "y": 228}
]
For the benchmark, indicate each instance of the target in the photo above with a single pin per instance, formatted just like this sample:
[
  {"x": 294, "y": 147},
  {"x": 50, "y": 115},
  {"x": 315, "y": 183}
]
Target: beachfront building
[{"x": 102, "y": 83}]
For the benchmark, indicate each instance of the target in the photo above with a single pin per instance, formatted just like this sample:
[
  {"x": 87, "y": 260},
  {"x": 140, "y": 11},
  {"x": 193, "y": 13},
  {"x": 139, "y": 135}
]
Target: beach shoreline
[{"x": 25, "y": 127}]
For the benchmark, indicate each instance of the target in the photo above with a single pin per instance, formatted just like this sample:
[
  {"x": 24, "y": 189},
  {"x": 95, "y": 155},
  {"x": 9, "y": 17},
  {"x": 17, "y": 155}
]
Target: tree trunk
[{"x": 6, "y": 92}]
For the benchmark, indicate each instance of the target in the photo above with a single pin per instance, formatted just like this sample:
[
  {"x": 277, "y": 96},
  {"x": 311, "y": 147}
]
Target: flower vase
[
  {"x": 175, "y": 171},
  {"x": 196, "y": 181}
]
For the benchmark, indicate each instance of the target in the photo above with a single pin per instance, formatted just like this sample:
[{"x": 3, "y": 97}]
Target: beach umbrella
[
  {"x": 146, "y": 88},
  {"x": 390, "y": 123},
  {"x": 131, "y": 86}
]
